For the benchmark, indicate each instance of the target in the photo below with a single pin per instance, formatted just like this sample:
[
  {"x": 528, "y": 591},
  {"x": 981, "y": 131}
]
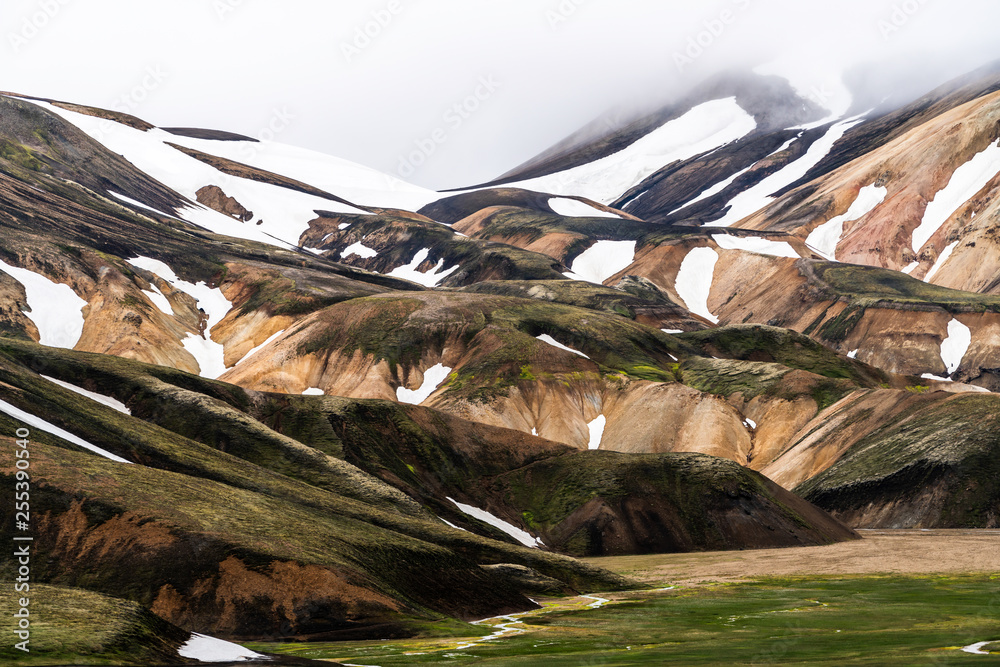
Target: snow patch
[
  {"x": 209, "y": 649},
  {"x": 209, "y": 354},
  {"x": 210, "y": 299},
  {"x": 853, "y": 354},
  {"x": 942, "y": 258},
  {"x": 521, "y": 536},
  {"x": 672, "y": 331},
  {"x": 545, "y": 338},
  {"x": 431, "y": 278},
  {"x": 92, "y": 395},
  {"x": 754, "y": 199},
  {"x": 596, "y": 428},
  {"x": 314, "y": 391},
  {"x": 451, "y": 525},
  {"x": 42, "y": 425},
  {"x": 967, "y": 180},
  {"x": 824, "y": 239},
  {"x": 977, "y": 648},
  {"x": 954, "y": 347},
  {"x": 574, "y": 208},
  {"x": 704, "y": 128},
  {"x": 749, "y": 423},
  {"x": 602, "y": 260},
  {"x": 434, "y": 377},
  {"x": 359, "y": 249},
  {"x": 158, "y": 299},
  {"x": 911, "y": 267},
  {"x": 694, "y": 281},
  {"x": 139, "y": 204},
  {"x": 56, "y": 310},
  {"x": 755, "y": 244},
  {"x": 257, "y": 349}
]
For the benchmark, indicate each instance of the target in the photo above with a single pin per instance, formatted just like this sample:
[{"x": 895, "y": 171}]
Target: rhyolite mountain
[{"x": 274, "y": 394}]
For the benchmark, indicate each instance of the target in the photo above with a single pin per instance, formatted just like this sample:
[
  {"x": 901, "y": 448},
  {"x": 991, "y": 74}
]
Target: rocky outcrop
[{"x": 214, "y": 198}]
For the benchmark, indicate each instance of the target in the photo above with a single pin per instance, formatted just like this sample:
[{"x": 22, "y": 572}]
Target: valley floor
[
  {"x": 906, "y": 552},
  {"x": 897, "y": 597}
]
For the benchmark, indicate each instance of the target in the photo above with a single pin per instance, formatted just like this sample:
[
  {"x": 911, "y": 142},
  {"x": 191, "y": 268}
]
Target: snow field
[
  {"x": 694, "y": 281},
  {"x": 285, "y": 213},
  {"x": 967, "y": 180},
  {"x": 824, "y": 239},
  {"x": 755, "y": 244},
  {"x": 602, "y": 260},
  {"x": 573, "y": 208},
  {"x": 56, "y": 310},
  {"x": 754, "y": 199},
  {"x": 702, "y": 129}
]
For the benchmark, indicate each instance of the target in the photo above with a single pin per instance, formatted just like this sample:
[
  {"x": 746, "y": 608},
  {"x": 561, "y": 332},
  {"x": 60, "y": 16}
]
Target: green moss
[
  {"x": 818, "y": 620},
  {"x": 946, "y": 448},
  {"x": 77, "y": 627},
  {"x": 841, "y": 326},
  {"x": 20, "y": 155},
  {"x": 881, "y": 287},
  {"x": 788, "y": 348}
]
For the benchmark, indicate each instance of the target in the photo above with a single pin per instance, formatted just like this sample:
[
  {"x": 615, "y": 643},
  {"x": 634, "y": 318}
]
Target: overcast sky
[{"x": 525, "y": 73}]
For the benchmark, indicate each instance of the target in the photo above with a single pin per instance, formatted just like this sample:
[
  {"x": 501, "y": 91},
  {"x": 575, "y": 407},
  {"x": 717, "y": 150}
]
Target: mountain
[{"x": 274, "y": 394}]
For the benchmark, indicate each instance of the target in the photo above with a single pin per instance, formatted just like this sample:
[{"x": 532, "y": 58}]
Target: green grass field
[{"x": 814, "y": 621}]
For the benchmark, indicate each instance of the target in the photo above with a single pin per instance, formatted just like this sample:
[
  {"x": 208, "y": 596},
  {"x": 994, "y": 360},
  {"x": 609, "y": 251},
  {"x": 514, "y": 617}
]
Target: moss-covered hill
[
  {"x": 937, "y": 465},
  {"x": 324, "y": 525},
  {"x": 633, "y": 298},
  {"x": 758, "y": 342},
  {"x": 72, "y": 626}
]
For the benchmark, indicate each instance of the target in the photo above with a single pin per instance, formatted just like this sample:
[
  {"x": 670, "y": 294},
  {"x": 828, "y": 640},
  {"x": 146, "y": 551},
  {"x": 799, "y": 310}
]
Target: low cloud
[{"x": 368, "y": 79}]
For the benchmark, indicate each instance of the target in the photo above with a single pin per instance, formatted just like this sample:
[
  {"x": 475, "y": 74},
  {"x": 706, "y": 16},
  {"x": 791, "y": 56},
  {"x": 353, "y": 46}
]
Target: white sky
[{"x": 236, "y": 64}]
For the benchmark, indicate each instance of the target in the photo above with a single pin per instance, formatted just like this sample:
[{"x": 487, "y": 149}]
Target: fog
[{"x": 453, "y": 92}]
